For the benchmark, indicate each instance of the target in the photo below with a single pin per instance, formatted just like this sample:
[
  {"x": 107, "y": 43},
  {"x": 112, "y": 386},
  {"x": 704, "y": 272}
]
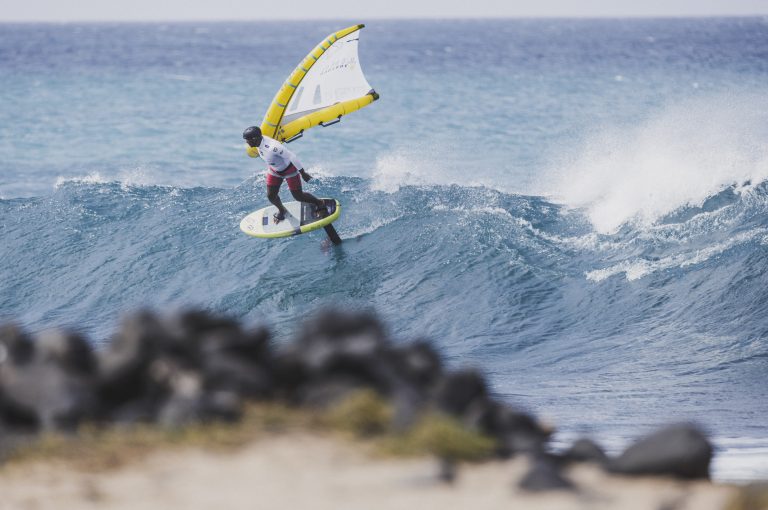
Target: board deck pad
[{"x": 301, "y": 218}]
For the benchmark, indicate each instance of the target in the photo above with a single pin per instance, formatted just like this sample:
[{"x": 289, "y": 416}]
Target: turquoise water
[{"x": 578, "y": 208}]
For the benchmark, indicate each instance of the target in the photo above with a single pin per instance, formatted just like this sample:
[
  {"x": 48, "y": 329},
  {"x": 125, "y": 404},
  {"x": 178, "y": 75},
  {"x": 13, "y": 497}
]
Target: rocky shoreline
[{"x": 194, "y": 369}]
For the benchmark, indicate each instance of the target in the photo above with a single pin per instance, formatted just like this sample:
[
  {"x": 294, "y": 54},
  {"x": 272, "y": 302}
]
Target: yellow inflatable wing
[{"x": 325, "y": 86}]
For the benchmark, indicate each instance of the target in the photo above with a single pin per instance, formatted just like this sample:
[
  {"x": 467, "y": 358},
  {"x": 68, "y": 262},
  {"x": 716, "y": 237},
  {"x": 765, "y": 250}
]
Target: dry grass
[
  {"x": 96, "y": 448},
  {"x": 366, "y": 415},
  {"x": 363, "y": 415},
  {"x": 441, "y": 436}
]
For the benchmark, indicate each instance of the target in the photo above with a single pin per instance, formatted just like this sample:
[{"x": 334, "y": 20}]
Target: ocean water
[{"x": 579, "y": 208}]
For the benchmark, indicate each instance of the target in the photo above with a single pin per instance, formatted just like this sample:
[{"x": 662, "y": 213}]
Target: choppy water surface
[{"x": 579, "y": 208}]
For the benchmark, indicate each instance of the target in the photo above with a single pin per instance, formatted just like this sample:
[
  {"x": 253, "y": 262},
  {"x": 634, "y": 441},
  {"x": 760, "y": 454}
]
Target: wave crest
[{"x": 682, "y": 156}]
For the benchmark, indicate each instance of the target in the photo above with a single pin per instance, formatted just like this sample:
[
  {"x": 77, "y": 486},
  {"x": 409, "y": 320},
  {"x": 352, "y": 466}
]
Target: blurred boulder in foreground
[
  {"x": 195, "y": 367},
  {"x": 189, "y": 367},
  {"x": 585, "y": 450},
  {"x": 46, "y": 382},
  {"x": 544, "y": 475},
  {"x": 681, "y": 451}
]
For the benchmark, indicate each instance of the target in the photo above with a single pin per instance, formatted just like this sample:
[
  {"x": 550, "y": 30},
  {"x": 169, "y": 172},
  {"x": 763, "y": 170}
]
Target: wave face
[
  {"x": 515, "y": 263},
  {"x": 592, "y": 232},
  {"x": 666, "y": 322}
]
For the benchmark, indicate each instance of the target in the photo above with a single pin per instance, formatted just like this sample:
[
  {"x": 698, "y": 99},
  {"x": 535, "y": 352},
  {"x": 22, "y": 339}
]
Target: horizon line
[{"x": 384, "y": 18}]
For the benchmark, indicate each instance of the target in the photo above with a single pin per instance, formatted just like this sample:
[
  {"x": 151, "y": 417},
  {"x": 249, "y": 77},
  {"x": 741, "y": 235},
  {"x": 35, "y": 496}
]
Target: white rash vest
[{"x": 278, "y": 157}]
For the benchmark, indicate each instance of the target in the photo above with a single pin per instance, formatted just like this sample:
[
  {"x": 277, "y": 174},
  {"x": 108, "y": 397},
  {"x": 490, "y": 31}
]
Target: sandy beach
[{"x": 305, "y": 470}]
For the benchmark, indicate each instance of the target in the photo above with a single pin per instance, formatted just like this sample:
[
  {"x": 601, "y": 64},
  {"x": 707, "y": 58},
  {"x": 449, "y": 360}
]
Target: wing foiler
[{"x": 325, "y": 86}]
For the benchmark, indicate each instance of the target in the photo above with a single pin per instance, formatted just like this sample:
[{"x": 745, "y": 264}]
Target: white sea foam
[
  {"x": 482, "y": 209},
  {"x": 370, "y": 228},
  {"x": 320, "y": 171},
  {"x": 396, "y": 169},
  {"x": 492, "y": 210},
  {"x": 682, "y": 156},
  {"x": 740, "y": 459},
  {"x": 422, "y": 166},
  {"x": 638, "y": 268},
  {"x": 127, "y": 178},
  {"x": 91, "y": 178}
]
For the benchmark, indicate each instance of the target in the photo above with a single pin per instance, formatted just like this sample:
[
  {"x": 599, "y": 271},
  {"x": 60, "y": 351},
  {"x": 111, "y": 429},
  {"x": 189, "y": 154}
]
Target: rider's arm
[{"x": 290, "y": 157}]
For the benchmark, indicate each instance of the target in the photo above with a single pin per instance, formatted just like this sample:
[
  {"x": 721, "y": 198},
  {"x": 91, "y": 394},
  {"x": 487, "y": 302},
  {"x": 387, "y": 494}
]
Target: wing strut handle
[
  {"x": 326, "y": 124},
  {"x": 295, "y": 137}
]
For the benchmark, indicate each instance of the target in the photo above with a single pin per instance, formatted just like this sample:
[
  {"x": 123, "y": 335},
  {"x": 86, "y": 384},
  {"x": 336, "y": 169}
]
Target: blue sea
[{"x": 579, "y": 208}]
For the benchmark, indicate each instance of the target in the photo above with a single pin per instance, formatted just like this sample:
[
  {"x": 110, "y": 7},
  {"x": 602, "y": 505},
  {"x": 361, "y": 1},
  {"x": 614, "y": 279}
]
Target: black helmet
[{"x": 252, "y": 135}]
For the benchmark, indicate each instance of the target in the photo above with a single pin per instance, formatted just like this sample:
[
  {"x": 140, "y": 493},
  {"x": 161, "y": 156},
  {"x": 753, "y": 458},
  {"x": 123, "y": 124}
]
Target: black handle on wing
[
  {"x": 295, "y": 137},
  {"x": 326, "y": 124}
]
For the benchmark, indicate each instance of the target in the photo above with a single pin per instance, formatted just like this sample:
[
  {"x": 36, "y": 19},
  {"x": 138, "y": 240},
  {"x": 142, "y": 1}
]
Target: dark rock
[
  {"x": 177, "y": 369},
  {"x": 195, "y": 366},
  {"x": 681, "y": 451},
  {"x": 183, "y": 396},
  {"x": 191, "y": 324},
  {"x": 457, "y": 391},
  {"x": 183, "y": 403},
  {"x": 223, "y": 405},
  {"x": 447, "y": 470},
  {"x": 192, "y": 336},
  {"x": 251, "y": 346},
  {"x": 585, "y": 450},
  {"x": 418, "y": 363},
  {"x": 338, "y": 342},
  {"x": 515, "y": 431},
  {"x": 142, "y": 410},
  {"x": 15, "y": 345},
  {"x": 239, "y": 362},
  {"x": 46, "y": 383},
  {"x": 464, "y": 394},
  {"x": 411, "y": 373},
  {"x": 339, "y": 326},
  {"x": 16, "y": 352},
  {"x": 338, "y": 353},
  {"x": 328, "y": 391},
  {"x": 544, "y": 475},
  {"x": 335, "y": 345},
  {"x": 69, "y": 351},
  {"x": 416, "y": 369},
  {"x": 124, "y": 364},
  {"x": 188, "y": 404},
  {"x": 226, "y": 372}
]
